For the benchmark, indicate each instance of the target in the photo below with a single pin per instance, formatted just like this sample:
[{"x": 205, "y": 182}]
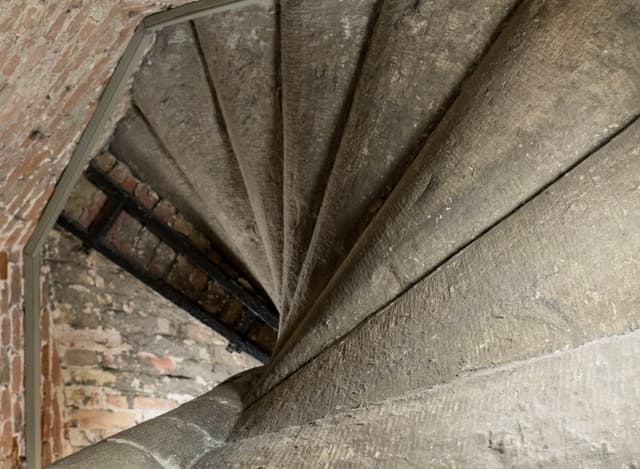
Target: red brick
[
  {"x": 46, "y": 452},
  {"x": 15, "y": 453},
  {"x": 17, "y": 416},
  {"x": 56, "y": 375},
  {"x": 58, "y": 429},
  {"x": 165, "y": 212},
  {"x": 161, "y": 364},
  {"x": 16, "y": 284},
  {"x": 44, "y": 358},
  {"x": 11, "y": 65},
  {"x": 16, "y": 374},
  {"x": 117, "y": 400},
  {"x": 16, "y": 328},
  {"x": 103, "y": 419},
  {"x": 104, "y": 162},
  {"x": 4, "y": 301},
  {"x": 6, "y": 437},
  {"x": 121, "y": 175},
  {"x": 162, "y": 260},
  {"x": 145, "y": 246},
  {"x": 5, "y": 404},
  {"x": 5, "y": 331},
  {"x": 153, "y": 403},
  {"x": 92, "y": 210},
  {"x": 55, "y": 28},
  {"x": 3, "y": 265},
  {"x": 45, "y": 318},
  {"x": 123, "y": 234},
  {"x": 147, "y": 197},
  {"x": 187, "y": 278},
  {"x": 181, "y": 225},
  {"x": 45, "y": 420},
  {"x": 200, "y": 241}
]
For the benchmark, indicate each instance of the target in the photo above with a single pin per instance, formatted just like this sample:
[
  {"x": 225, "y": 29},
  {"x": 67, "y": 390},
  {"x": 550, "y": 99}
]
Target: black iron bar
[
  {"x": 164, "y": 289},
  {"x": 179, "y": 243}
]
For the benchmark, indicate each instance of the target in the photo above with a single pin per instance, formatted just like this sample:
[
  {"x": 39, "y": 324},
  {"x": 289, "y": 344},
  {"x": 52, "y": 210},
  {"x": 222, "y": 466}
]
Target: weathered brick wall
[
  {"x": 12, "y": 416},
  {"x": 55, "y": 58},
  {"x": 55, "y": 436},
  {"x": 11, "y": 359},
  {"x": 127, "y": 354}
]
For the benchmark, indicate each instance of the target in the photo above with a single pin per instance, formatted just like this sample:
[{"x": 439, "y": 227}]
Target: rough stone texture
[
  {"x": 572, "y": 409},
  {"x": 54, "y": 62},
  {"x": 401, "y": 94},
  {"x": 322, "y": 44},
  {"x": 514, "y": 128},
  {"x": 173, "y": 91},
  {"x": 126, "y": 353},
  {"x": 242, "y": 50},
  {"x": 110, "y": 454},
  {"x": 180, "y": 437},
  {"x": 561, "y": 271}
]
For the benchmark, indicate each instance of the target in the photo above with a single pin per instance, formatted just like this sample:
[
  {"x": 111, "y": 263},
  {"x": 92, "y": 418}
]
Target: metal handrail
[{"x": 32, "y": 255}]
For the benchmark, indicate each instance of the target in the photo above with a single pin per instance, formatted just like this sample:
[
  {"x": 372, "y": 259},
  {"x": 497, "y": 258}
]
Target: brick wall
[
  {"x": 55, "y": 58},
  {"x": 139, "y": 246},
  {"x": 11, "y": 359},
  {"x": 55, "y": 434},
  {"x": 126, "y": 353}
]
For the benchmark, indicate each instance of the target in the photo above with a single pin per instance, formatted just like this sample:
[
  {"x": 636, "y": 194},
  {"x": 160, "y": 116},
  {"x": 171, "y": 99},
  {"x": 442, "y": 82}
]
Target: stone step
[
  {"x": 511, "y": 131},
  {"x": 560, "y": 272},
  {"x": 322, "y": 44},
  {"x": 242, "y": 51},
  {"x": 175, "y": 439},
  {"x": 573, "y": 409},
  {"x": 402, "y": 93},
  {"x": 173, "y": 92}
]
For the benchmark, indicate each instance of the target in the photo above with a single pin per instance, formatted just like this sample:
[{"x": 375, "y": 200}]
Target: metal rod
[
  {"x": 160, "y": 286},
  {"x": 106, "y": 218},
  {"x": 32, "y": 369},
  {"x": 179, "y": 243},
  {"x": 192, "y": 11}
]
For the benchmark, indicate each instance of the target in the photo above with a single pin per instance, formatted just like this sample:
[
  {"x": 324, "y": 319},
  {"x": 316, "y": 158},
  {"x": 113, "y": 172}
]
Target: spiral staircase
[{"x": 442, "y": 200}]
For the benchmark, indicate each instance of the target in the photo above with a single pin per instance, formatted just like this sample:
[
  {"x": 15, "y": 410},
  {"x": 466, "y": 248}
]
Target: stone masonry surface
[{"x": 126, "y": 353}]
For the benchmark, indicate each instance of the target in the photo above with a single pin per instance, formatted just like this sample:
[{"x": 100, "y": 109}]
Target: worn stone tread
[
  {"x": 242, "y": 49},
  {"x": 561, "y": 271},
  {"x": 173, "y": 92},
  {"x": 401, "y": 94},
  {"x": 573, "y": 409},
  {"x": 322, "y": 43},
  {"x": 512, "y": 130}
]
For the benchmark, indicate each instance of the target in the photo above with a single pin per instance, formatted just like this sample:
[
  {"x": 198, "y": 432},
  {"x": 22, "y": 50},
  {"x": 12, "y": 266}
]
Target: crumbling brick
[
  {"x": 147, "y": 197},
  {"x": 121, "y": 175},
  {"x": 187, "y": 278},
  {"x": 162, "y": 260}
]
